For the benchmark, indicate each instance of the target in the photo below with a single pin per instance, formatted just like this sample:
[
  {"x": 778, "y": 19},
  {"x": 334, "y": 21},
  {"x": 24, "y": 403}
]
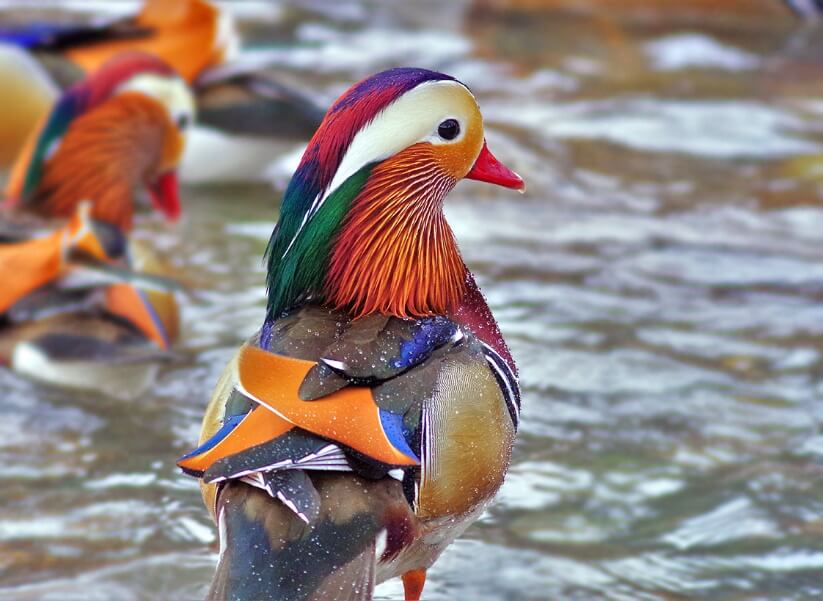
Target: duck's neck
[
  {"x": 380, "y": 244},
  {"x": 474, "y": 314},
  {"x": 394, "y": 253}
]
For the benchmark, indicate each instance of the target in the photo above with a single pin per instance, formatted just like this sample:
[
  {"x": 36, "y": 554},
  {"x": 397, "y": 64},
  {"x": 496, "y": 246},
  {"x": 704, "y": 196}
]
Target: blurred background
[{"x": 660, "y": 284}]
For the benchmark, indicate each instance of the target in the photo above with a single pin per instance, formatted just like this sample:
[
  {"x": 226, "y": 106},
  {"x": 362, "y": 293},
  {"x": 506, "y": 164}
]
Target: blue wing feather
[
  {"x": 228, "y": 426},
  {"x": 431, "y": 333}
]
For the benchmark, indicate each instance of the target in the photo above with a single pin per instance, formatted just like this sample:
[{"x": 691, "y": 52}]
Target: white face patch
[
  {"x": 412, "y": 118},
  {"x": 171, "y": 92}
]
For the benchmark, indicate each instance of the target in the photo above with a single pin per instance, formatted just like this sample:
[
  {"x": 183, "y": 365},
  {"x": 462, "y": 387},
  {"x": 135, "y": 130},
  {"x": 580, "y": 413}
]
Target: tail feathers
[{"x": 269, "y": 553}]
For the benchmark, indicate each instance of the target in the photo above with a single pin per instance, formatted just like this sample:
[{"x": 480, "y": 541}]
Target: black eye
[
  {"x": 182, "y": 122},
  {"x": 449, "y": 129}
]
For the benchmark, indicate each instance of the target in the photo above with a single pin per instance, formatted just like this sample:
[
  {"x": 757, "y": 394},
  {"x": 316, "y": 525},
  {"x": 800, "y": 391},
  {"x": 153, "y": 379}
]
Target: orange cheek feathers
[
  {"x": 457, "y": 159},
  {"x": 173, "y": 146}
]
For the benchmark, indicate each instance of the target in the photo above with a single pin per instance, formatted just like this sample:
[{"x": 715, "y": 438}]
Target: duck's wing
[
  {"x": 317, "y": 389},
  {"x": 316, "y": 404},
  {"x": 38, "y": 258},
  {"x": 81, "y": 269}
]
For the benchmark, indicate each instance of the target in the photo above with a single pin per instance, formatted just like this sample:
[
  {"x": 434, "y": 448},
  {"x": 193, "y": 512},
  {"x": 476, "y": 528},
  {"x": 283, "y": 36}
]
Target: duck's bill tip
[
  {"x": 165, "y": 195},
  {"x": 487, "y": 168}
]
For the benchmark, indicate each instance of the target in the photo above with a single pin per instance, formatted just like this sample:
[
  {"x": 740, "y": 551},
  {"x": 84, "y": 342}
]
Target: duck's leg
[{"x": 413, "y": 582}]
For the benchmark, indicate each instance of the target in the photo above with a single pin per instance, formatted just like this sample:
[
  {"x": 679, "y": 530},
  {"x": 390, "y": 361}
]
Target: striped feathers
[{"x": 120, "y": 129}]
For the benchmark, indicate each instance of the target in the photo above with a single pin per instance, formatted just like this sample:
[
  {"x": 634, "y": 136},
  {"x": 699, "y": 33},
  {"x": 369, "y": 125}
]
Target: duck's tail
[{"x": 268, "y": 553}]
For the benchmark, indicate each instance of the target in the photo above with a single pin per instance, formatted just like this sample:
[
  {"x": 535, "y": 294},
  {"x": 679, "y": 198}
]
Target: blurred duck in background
[
  {"x": 194, "y": 37},
  {"x": 371, "y": 419},
  {"x": 75, "y": 311},
  {"x": 121, "y": 128}
]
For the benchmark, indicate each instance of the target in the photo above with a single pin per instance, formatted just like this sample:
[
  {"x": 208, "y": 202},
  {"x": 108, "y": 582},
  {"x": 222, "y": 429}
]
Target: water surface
[{"x": 660, "y": 285}]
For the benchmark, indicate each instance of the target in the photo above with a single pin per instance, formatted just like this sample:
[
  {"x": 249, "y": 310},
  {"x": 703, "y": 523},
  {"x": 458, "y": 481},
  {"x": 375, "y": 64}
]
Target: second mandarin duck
[
  {"x": 73, "y": 312},
  {"x": 371, "y": 419},
  {"x": 118, "y": 131},
  {"x": 72, "y": 307}
]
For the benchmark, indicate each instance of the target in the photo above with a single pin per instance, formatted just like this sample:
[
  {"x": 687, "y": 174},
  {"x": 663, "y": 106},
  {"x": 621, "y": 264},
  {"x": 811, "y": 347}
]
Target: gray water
[{"x": 660, "y": 285}]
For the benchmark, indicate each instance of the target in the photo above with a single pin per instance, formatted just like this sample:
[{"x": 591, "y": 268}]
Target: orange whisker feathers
[
  {"x": 395, "y": 253},
  {"x": 103, "y": 158}
]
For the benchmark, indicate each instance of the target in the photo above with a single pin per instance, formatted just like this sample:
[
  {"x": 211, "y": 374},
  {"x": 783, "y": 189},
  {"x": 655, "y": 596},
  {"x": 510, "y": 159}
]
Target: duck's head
[
  {"x": 362, "y": 225},
  {"x": 172, "y": 94},
  {"x": 121, "y": 129}
]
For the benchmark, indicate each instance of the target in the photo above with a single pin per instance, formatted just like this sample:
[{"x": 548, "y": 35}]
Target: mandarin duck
[
  {"x": 371, "y": 418},
  {"x": 122, "y": 128},
  {"x": 68, "y": 308},
  {"x": 195, "y": 37}
]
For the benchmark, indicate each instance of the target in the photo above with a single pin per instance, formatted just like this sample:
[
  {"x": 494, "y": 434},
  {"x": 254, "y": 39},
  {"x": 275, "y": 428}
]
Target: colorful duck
[
  {"x": 371, "y": 419},
  {"x": 121, "y": 128},
  {"x": 72, "y": 301},
  {"x": 194, "y": 37}
]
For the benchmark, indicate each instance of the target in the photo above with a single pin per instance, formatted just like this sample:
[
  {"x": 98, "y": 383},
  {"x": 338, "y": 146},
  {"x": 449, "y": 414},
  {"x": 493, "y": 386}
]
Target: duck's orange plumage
[
  {"x": 395, "y": 254},
  {"x": 184, "y": 34},
  {"x": 43, "y": 260},
  {"x": 40, "y": 259},
  {"x": 120, "y": 129},
  {"x": 127, "y": 302},
  {"x": 349, "y": 416},
  {"x": 104, "y": 157}
]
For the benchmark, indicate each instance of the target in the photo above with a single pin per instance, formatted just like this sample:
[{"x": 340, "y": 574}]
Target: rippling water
[{"x": 659, "y": 283}]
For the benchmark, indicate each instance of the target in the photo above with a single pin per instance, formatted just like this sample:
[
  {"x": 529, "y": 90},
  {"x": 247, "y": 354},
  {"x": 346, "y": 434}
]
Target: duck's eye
[
  {"x": 449, "y": 129},
  {"x": 182, "y": 122}
]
